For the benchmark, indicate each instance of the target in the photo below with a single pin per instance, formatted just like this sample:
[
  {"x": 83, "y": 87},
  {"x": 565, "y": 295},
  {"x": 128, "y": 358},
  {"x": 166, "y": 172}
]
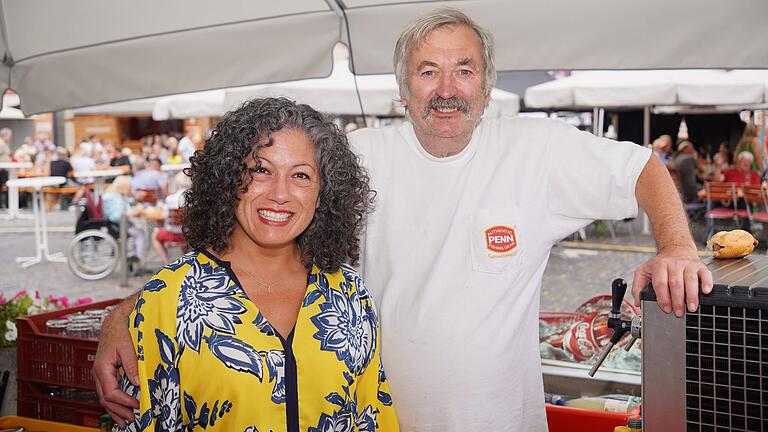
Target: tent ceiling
[{"x": 78, "y": 53}]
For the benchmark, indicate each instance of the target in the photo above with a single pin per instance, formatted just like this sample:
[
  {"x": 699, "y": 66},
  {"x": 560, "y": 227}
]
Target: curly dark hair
[{"x": 220, "y": 174}]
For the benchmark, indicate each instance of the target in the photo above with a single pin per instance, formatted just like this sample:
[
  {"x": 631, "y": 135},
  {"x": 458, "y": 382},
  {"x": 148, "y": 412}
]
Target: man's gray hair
[
  {"x": 746, "y": 155},
  {"x": 5, "y": 131},
  {"x": 418, "y": 30}
]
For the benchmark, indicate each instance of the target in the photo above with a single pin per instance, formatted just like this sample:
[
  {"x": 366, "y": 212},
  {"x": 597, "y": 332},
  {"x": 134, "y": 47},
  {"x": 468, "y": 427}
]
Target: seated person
[
  {"x": 116, "y": 203},
  {"x": 60, "y": 167},
  {"x": 742, "y": 174},
  {"x": 149, "y": 183},
  {"x": 171, "y": 229}
]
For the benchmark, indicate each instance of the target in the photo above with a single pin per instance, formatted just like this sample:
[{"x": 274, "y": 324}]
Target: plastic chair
[
  {"x": 720, "y": 193},
  {"x": 148, "y": 196},
  {"x": 756, "y": 208}
]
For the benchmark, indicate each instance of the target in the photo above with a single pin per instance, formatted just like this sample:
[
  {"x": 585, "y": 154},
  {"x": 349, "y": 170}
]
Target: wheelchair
[{"x": 94, "y": 252}]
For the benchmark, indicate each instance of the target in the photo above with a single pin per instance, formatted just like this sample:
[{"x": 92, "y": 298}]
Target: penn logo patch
[{"x": 500, "y": 239}]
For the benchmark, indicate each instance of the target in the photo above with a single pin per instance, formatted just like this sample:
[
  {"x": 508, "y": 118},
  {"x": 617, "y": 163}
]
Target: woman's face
[{"x": 281, "y": 200}]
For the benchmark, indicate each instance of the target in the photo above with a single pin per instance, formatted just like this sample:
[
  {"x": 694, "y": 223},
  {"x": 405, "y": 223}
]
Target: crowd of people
[
  {"x": 692, "y": 167},
  {"x": 143, "y": 185}
]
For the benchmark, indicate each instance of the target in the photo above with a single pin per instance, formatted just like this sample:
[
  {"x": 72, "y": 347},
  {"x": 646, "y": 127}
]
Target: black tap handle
[{"x": 618, "y": 289}]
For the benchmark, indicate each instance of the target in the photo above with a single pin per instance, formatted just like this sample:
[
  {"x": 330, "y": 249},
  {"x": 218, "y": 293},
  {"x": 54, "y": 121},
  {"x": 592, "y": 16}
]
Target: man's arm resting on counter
[
  {"x": 677, "y": 270},
  {"x": 116, "y": 351}
]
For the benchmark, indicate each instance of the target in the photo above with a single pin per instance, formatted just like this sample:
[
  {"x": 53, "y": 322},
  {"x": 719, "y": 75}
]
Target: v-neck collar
[{"x": 286, "y": 341}]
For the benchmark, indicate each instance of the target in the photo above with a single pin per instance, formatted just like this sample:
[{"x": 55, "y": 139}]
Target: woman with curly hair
[{"x": 264, "y": 326}]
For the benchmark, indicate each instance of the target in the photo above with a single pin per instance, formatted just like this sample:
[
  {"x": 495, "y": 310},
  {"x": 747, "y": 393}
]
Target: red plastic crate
[
  {"x": 567, "y": 419},
  {"x": 48, "y": 360},
  {"x": 36, "y": 404}
]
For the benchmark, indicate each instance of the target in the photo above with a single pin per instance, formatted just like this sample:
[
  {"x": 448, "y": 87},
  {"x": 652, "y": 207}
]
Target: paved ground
[{"x": 17, "y": 239}]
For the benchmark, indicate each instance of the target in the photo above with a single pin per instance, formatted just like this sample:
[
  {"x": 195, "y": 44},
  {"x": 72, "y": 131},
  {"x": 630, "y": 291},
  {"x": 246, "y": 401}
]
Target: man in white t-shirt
[
  {"x": 467, "y": 212},
  {"x": 186, "y": 147}
]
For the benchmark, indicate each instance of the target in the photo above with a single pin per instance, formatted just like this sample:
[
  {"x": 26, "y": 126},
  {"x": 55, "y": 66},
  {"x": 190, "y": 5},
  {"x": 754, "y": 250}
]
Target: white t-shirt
[
  {"x": 186, "y": 148},
  {"x": 455, "y": 251}
]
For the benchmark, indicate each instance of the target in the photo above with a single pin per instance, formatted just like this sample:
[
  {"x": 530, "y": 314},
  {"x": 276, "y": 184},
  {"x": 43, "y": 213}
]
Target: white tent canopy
[
  {"x": 77, "y": 53},
  {"x": 645, "y": 88},
  {"x": 336, "y": 94}
]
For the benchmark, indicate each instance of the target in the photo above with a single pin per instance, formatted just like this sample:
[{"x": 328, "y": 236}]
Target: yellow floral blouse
[{"x": 208, "y": 360}]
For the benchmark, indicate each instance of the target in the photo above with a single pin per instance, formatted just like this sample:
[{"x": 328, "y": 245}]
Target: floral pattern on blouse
[{"x": 210, "y": 360}]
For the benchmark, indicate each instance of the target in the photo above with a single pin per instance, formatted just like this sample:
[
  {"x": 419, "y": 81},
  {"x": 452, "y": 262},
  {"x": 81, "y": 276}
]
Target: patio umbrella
[{"x": 77, "y": 53}]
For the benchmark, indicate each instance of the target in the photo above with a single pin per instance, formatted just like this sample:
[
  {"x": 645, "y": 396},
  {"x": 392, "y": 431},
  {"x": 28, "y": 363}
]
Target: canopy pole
[
  {"x": 595, "y": 115},
  {"x": 646, "y": 125},
  {"x": 646, "y": 142}
]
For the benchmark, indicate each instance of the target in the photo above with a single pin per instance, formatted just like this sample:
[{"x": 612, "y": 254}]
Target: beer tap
[{"x": 620, "y": 327}]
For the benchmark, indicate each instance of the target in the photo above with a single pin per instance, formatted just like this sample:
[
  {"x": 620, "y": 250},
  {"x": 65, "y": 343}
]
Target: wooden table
[
  {"x": 13, "y": 192},
  {"x": 41, "y": 224}
]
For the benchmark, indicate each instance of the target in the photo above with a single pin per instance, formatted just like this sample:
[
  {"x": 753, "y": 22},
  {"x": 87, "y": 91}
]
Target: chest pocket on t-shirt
[{"x": 497, "y": 240}]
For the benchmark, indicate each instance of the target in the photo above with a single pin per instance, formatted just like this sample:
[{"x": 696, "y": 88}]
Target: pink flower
[
  {"x": 20, "y": 294},
  {"x": 37, "y": 295},
  {"x": 82, "y": 301},
  {"x": 3, "y": 300}
]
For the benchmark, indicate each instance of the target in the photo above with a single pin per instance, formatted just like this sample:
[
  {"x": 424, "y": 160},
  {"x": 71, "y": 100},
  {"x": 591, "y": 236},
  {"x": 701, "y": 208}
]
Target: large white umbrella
[
  {"x": 643, "y": 88},
  {"x": 78, "y": 53}
]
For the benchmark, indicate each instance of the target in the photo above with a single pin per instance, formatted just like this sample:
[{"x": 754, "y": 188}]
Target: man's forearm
[
  {"x": 657, "y": 195},
  {"x": 122, "y": 311}
]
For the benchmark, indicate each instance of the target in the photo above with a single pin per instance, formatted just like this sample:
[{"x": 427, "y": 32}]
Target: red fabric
[
  {"x": 736, "y": 176},
  {"x": 165, "y": 236}
]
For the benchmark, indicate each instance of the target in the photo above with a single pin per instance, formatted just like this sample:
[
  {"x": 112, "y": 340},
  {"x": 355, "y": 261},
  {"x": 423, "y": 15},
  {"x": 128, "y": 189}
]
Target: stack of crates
[{"x": 54, "y": 371}]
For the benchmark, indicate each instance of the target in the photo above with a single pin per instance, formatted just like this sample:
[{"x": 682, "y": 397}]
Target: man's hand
[
  {"x": 116, "y": 350},
  {"x": 676, "y": 275}
]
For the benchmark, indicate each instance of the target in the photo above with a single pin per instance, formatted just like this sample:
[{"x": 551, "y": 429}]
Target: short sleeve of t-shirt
[{"x": 590, "y": 177}]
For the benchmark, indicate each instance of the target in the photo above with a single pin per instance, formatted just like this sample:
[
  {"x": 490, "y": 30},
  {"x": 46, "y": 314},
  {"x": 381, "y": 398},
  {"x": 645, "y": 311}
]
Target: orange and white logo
[{"x": 500, "y": 239}]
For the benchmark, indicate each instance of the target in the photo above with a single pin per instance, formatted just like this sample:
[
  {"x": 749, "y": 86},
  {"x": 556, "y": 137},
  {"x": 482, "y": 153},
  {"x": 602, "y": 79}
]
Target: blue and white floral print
[
  {"x": 207, "y": 299},
  {"x": 223, "y": 346},
  {"x": 347, "y": 328}
]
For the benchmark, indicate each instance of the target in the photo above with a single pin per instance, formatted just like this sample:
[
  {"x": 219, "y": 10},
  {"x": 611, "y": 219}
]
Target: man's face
[
  {"x": 744, "y": 164},
  {"x": 445, "y": 76}
]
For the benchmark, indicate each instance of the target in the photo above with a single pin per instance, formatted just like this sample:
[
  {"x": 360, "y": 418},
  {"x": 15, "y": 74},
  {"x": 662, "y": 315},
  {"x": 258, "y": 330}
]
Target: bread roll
[{"x": 732, "y": 244}]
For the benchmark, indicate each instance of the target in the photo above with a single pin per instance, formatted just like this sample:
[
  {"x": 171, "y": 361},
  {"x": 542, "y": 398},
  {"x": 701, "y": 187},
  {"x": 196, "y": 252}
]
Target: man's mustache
[{"x": 441, "y": 103}]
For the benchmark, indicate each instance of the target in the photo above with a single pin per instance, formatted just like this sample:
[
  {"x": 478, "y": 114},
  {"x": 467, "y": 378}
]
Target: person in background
[
  {"x": 26, "y": 152},
  {"x": 60, "y": 166},
  {"x": 174, "y": 157},
  {"x": 159, "y": 152},
  {"x": 42, "y": 142},
  {"x": 43, "y": 160},
  {"x": 743, "y": 173},
  {"x": 687, "y": 168},
  {"x": 186, "y": 146},
  {"x": 118, "y": 159},
  {"x": 149, "y": 182},
  {"x": 6, "y": 138},
  {"x": 662, "y": 147},
  {"x": 82, "y": 161},
  {"x": 750, "y": 142},
  {"x": 117, "y": 202},
  {"x": 171, "y": 231}
]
